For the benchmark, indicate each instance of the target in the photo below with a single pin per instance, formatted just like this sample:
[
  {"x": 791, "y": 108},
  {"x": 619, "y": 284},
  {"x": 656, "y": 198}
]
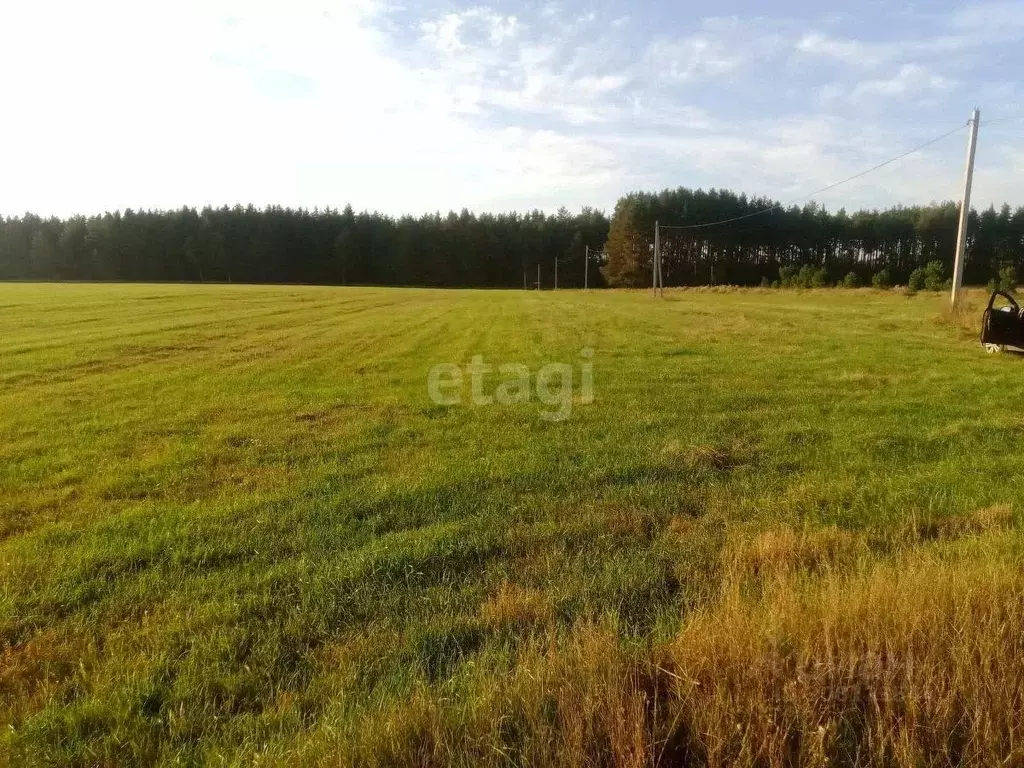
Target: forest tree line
[
  {"x": 332, "y": 247},
  {"x": 753, "y": 250},
  {"x": 283, "y": 245}
]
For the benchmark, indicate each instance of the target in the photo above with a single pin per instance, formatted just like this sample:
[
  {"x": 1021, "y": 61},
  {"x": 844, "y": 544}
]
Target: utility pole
[
  {"x": 556, "y": 273},
  {"x": 654, "y": 261},
  {"x": 586, "y": 266},
  {"x": 524, "y": 279},
  {"x": 538, "y": 275},
  {"x": 661, "y": 277},
  {"x": 965, "y": 209}
]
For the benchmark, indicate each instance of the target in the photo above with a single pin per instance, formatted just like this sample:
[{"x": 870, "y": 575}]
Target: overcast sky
[{"x": 408, "y": 107}]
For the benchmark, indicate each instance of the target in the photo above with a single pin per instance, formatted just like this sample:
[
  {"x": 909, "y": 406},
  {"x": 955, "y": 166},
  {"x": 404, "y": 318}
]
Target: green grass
[{"x": 233, "y": 527}]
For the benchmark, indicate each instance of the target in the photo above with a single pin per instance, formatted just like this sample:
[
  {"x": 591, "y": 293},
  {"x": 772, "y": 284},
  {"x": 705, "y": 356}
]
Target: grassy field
[{"x": 234, "y": 528}]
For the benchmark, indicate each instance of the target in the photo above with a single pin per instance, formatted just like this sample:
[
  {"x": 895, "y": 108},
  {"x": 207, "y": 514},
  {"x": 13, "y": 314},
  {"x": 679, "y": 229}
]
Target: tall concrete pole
[
  {"x": 654, "y": 260},
  {"x": 965, "y": 209},
  {"x": 661, "y": 277}
]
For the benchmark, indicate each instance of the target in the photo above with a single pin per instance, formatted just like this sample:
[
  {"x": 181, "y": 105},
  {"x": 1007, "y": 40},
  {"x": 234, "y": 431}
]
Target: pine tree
[{"x": 628, "y": 261}]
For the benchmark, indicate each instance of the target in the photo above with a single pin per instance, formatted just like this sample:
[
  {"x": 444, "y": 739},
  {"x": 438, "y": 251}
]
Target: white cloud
[
  {"x": 454, "y": 33},
  {"x": 912, "y": 80},
  {"x": 600, "y": 85},
  {"x": 693, "y": 57},
  {"x": 443, "y": 34},
  {"x": 972, "y": 28},
  {"x": 851, "y": 51},
  {"x": 712, "y": 52},
  {"x": 542, "y": 75}
]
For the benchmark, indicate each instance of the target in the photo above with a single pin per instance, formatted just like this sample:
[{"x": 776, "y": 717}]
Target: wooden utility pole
[
  {"x": 586, "y": 266},
  {"x": 538, "y": 275},
  {"x": 965, "y": 209},
  {"x": 556, "y": 273}
]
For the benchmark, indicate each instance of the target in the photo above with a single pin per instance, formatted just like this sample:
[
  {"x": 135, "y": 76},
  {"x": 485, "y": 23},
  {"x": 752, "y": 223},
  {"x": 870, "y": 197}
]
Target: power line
[
  {"x": 817, "y": 192},
  {"x": 1003, "y": 120}
]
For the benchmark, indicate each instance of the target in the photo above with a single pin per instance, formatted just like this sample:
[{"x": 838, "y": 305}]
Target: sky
[{"x": 412, "y": 107}]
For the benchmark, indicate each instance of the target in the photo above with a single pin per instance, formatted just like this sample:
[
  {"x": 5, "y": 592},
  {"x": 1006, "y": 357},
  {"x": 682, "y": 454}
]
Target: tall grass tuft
[{"x": 964, "y": 316}]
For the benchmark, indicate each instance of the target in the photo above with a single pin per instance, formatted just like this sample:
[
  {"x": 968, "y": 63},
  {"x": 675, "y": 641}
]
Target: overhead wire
[
  {"x": 817, "y": 192},
  {"x": 997, "y": 120}
]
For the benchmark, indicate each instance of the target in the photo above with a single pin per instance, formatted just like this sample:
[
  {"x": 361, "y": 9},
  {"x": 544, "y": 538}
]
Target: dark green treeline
[
  {"x": 749, "y": 250},
  {"x": 282, "y": 245}
]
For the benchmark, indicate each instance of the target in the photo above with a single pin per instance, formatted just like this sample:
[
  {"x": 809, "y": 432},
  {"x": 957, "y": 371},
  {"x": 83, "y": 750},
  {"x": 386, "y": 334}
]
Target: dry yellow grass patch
[
  {"x": 720, "y": 457},
  {"x": 515, "y": 604},
  {"x": 785, "y": 550},
  {"x": 626, "y": 522},
  {"x": 356, "y": 656},
  {"x": 34, "y": 672},
  {"x": 991, "y": 519},
  {"x": 681, "y": 528},
  {"x": 994, "y": 518},
  {"x": 964, "y": 317},
  {"x": 574, "y": 700},
  {"x": 918, "y": 661}
]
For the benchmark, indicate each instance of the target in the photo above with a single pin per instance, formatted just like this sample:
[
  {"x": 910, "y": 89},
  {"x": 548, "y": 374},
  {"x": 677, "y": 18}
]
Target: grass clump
[
  {"x": 516, "y": 605},
  {"x": 963, "y": 317}
]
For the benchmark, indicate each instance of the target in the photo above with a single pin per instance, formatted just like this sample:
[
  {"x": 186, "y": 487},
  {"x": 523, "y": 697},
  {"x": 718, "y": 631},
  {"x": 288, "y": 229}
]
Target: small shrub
[
  {"x": 882, "y": 279},
  {"x": 934, "y": 276},
  {"x": 787, "y": 276},
  {"x": 915, "y": 282},
  {"x": 765, "y": 282},
  {"x": 776, "y": 284},
  {"x": 993, "y": 285},
  {"x": 1008, "y": 279},
  {"x": 805, "y": 276},
  {"x": 851, "y": 280}
]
